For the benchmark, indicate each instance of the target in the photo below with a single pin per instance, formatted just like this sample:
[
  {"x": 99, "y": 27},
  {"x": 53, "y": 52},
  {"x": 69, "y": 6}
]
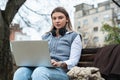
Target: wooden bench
[{"x": 87, "y": 57}]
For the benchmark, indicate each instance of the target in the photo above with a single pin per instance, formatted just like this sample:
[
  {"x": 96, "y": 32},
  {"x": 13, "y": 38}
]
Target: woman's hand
[
  {"x": 59, "y": 64},
  {"x": 55, "y": 63}
]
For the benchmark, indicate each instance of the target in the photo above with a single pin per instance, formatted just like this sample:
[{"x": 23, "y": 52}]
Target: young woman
[{"x": 65, "y": 50}]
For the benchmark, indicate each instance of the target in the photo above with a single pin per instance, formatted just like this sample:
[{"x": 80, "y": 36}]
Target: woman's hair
[{"x": 62, "y": 10}]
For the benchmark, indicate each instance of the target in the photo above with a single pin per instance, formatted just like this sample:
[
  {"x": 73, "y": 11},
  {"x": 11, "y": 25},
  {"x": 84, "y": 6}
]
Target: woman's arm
[{"x": 75, "y": 52}]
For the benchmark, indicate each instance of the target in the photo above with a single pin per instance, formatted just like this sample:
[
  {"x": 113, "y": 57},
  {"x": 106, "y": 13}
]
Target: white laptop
[{"x": 31, "y": 53}]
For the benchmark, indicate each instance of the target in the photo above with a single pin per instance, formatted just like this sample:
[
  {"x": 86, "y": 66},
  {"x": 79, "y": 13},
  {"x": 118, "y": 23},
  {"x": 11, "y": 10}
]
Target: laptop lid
[{"x": 31, "y": 53}]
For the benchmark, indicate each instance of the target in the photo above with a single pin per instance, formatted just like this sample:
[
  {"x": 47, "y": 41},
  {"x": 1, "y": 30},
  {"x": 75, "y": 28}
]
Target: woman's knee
[
  {"x": 40, "y": 72},
  {"x": 22, "y": 73}
]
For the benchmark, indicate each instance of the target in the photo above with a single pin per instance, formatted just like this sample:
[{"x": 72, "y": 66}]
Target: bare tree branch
[
  {"x": 36, "y": 11},
  {"x": 45, "y": 15},
  {"x": 11, "y": 9},
  {"x": 116, "y": 2}
]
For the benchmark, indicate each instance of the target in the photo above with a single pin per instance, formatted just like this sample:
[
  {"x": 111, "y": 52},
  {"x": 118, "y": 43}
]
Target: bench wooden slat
[
  {"x": 85, "y": 64},
  {"x": 90, "y": 50},
  {"x": 87, "y": 57}
]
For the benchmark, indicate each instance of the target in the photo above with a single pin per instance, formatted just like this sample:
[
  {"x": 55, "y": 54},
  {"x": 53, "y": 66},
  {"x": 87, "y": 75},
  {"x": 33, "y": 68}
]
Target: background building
[
  {"x": 17, "y": 34},
  {"x": 89, "y": 20}
]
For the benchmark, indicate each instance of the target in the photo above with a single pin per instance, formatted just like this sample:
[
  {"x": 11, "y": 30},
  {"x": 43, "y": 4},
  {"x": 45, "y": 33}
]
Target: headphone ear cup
[
  {"x": 53, "y": 32},
  {"x": 62, "y": 31}
]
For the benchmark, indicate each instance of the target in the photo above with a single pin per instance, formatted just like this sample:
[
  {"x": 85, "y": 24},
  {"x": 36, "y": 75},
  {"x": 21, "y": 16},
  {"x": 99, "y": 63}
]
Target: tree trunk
[
  {"x": 6, "y": 68},
  {"x": 6, "y": 16}
]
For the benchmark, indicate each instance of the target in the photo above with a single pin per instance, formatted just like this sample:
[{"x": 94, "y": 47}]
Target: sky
[
  {"x": 41, "y": 24},
  {"x": 73, "y": 2}
]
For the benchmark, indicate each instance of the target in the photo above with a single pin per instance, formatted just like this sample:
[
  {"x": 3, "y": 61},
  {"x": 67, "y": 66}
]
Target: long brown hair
[{"x": 62, "y": 10}]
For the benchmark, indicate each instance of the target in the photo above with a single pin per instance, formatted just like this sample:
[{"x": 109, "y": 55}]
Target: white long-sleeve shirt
[{"x": 75, "y": 52}]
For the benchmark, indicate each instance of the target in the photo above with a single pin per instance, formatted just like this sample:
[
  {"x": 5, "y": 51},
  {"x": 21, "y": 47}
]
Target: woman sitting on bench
[{"x": 65, "y": 50}]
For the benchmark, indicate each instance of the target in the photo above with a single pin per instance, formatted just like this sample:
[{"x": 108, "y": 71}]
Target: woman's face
[{"x": 59, "y": 20}]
